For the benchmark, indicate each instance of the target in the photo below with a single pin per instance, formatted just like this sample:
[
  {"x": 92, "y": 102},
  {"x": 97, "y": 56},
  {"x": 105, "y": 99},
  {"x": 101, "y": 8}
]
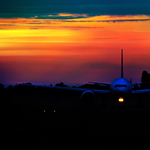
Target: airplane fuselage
[{"x": 121, "y": 87}]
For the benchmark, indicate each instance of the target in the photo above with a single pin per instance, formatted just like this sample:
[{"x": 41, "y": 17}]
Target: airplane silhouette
[{"x": 120, "y": 88}]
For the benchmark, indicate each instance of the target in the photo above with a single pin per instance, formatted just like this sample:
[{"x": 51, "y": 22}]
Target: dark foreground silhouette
[
  {"x": 39, "y": 118},
  {"x": 74, "y": 129},
  {"x": 34, "y": 125}
]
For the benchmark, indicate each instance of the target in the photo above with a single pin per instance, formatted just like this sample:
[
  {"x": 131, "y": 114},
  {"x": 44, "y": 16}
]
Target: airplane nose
[
  {"x": 120, "y": 91},
  {"x": 123, "y": 89}
]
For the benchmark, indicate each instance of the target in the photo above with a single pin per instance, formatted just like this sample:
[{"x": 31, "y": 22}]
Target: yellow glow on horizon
[
  {"x": 32, "y": 53},
  {"x": 40, "y": 32},
  {"x": 23, "y": 36}
]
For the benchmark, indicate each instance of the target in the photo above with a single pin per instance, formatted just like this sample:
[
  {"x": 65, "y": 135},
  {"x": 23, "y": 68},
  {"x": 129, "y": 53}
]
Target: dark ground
[
  {"x": 25, "y": 125},
  {"x": 118, "y": 128}
]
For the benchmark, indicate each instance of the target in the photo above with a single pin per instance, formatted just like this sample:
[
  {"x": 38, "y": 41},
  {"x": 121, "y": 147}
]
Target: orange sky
[{"x": 55, "y": 50}]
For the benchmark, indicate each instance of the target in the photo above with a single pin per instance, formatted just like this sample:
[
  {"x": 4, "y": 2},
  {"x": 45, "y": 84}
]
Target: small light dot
[
  {"x": 54, "y": 110},
  {"x": 44, "y": 110}
]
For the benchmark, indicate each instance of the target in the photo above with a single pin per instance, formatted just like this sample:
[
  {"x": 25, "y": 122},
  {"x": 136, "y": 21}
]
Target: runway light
[
  {"x": 121, "y": 99},
  {"x": 44, "y": 110},
  {"x": 54, "y": 110}
]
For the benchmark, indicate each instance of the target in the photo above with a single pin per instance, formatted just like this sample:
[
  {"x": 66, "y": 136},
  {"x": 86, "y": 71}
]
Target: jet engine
[{"x": 88, "y": 97}]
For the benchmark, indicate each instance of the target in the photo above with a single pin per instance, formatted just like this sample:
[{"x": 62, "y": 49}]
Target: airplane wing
[
  {"x": 66, "y": 96},
  {"x": 141, "y": 91},
  {"x": 142, "y": 83},
  {"x": 102, "y": 84},
  {"x": 69, "y": 88},
  {"x": 139, "y": 88}
]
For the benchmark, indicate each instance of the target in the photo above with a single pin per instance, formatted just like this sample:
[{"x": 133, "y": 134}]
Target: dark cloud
[
  {"x": 58, "y": 16},
  {"x": 122, "y": 20},
  {"x": 7, "y": 24},
  {"x": 81, "y": 27},
  {"x": 33, "y": 28},
  {"x": 30, "y": 8}
]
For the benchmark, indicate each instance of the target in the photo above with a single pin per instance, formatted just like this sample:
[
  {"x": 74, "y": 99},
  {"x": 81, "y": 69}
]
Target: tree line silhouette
[{"x": 145, "y": 80}]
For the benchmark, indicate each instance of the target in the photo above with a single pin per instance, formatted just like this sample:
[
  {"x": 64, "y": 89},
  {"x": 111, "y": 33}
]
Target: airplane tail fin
[{"x": 121, "y": 63}]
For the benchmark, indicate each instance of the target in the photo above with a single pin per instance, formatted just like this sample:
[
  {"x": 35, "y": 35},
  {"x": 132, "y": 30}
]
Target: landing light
[{"x": 121, "y": 99}]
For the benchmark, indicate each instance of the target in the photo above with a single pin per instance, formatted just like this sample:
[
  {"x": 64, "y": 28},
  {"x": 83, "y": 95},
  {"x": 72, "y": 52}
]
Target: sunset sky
[{"x": 53, "y": 41}]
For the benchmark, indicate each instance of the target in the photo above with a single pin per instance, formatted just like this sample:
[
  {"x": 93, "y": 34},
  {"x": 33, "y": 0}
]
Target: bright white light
[{"x": 121, "y": 99}]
